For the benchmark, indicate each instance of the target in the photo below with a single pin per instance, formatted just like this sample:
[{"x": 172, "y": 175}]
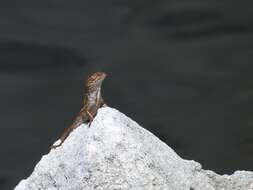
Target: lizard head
[{"x": 95, "y": 79}]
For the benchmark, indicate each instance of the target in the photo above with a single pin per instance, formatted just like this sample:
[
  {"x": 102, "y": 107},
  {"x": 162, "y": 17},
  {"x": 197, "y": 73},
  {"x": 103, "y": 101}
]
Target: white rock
[{"x": 115, "y": 153}]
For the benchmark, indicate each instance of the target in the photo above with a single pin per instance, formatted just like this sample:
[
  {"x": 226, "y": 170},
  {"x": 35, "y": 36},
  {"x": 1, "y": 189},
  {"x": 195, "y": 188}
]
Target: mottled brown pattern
[{"x": 91, "y": 103}]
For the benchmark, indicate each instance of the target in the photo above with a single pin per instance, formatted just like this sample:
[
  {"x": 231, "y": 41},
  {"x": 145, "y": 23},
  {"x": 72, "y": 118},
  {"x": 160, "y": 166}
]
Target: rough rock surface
[{"x": 115, "y": 153}]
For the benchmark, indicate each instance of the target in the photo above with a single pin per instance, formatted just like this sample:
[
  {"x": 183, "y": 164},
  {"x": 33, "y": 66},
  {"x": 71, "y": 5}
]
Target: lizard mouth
[{"x": 102, "y": 75}]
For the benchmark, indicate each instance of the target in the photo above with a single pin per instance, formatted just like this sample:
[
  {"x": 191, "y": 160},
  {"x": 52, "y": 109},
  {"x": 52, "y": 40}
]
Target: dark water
[{"x": 182, "y": 69}]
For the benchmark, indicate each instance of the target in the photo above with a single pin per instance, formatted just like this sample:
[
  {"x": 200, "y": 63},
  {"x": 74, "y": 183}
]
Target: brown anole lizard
[{"x": 92, "y": 102}]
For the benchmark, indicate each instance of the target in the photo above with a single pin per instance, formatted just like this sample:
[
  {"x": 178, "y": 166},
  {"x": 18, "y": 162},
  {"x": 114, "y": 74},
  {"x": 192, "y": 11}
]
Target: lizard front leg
[{"x": 90, "y": 116}]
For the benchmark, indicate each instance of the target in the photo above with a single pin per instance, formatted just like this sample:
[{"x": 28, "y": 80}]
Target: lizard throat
[{"x": 94, "y": 95}]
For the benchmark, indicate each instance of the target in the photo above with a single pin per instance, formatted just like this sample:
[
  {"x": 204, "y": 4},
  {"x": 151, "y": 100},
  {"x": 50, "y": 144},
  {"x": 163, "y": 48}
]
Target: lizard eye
[{"x": 96, "y": 77}]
